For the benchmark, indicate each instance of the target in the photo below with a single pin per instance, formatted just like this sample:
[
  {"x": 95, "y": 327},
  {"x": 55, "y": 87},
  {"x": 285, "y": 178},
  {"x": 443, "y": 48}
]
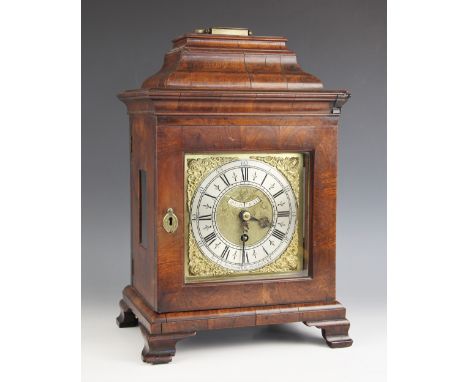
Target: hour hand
[
  {"x": 246, "y": 216},
  {"x": 264, "y": 222}
]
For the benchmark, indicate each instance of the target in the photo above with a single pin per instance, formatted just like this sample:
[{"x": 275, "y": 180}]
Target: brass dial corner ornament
[{"x": 244, "y": 214}]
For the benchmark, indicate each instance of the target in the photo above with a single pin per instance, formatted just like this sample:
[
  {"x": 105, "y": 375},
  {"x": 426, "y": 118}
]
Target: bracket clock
[{"x": 233, "y": 193}]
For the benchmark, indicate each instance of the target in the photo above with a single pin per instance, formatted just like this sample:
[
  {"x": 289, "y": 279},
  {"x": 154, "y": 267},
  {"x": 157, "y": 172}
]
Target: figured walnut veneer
[{"x": 218, "y": 93}]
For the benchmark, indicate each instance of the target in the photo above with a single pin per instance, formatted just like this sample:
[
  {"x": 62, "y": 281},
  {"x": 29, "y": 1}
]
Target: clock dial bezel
[{"x": 295, "y": 192}]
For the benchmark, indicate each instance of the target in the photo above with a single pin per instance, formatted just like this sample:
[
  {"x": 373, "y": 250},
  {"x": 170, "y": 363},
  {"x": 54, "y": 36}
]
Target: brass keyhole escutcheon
[{"x": 170, "y": 221}]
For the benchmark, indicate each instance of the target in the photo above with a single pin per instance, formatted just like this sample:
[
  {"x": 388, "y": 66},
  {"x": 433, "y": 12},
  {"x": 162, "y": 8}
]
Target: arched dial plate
[{"x": 228, "y": 191}]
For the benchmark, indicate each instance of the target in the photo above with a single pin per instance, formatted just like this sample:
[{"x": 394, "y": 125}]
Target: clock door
[
  {"x": 245, "y": 215},
  {"x": 255, "y": 211}
]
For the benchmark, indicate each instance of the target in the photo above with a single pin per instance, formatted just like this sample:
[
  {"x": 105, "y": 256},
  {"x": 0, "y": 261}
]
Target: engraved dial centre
[{"x": 227, "y": 215}]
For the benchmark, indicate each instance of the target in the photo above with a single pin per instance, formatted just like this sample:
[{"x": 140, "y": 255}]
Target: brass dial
[{"x": 244, "y": 215}]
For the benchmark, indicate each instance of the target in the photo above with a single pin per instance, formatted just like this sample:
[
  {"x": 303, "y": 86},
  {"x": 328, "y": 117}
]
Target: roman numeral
[
  {"x": 211, "y": 196},
  {"x": 245, "y": 257},
  {"x": 261, "y": 184},
  {"x": 225, "y": 179},
  {"x": 283, "y": 214},
  {"x": 225, "y": 253},
  {"x": 204, "y": 217},
  {"x": 245, "y": 173},
  {"x": 264, "y": 250},
  {"x": 278, "y": 234},
  {"x": 210, "y": 238},
  {"x": 278, "y": 194}
]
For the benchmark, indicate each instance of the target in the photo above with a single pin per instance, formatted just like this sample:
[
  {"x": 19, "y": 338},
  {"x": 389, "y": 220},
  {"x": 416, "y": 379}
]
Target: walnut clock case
[{"x": 233, "y": 193}]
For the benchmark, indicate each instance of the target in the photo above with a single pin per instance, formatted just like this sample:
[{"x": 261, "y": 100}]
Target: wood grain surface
[{"x": 218, "y": 93}]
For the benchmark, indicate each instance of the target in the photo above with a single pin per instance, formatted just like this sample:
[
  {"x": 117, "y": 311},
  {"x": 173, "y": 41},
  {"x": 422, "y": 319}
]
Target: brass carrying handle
[{"x": 225, "y": 30}]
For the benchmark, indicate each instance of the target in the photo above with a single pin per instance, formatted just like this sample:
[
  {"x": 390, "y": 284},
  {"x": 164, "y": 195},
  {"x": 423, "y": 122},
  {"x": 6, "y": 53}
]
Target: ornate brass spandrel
[
  {"x": 199, "y": 265},
  {"x": 290, "y": 167},
  {"x": 197, "y": 168},
  {"x": 289, "y": 261}
]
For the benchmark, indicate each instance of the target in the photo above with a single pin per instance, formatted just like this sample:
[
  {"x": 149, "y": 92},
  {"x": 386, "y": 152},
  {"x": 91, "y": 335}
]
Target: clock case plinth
[
  {"x": 220, "y": 93},
  {"x": 162, "y": 331}
]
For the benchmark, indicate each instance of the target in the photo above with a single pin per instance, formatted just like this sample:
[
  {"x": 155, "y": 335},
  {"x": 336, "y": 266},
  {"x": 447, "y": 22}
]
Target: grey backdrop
[{"x": 341, "y": 42}]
